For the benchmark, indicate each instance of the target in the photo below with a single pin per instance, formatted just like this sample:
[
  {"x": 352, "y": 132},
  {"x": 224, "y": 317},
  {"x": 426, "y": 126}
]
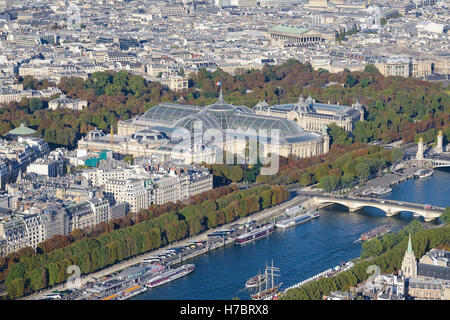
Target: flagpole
[{"x": 219, "y": 83}]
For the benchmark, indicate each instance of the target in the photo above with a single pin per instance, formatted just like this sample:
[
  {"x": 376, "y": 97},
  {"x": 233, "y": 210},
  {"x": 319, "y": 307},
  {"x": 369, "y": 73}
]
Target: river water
[{"x": 300, "y": 252}]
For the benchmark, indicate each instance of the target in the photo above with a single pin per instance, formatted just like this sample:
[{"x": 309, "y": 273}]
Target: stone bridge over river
[{"x": 390, "y": 207}]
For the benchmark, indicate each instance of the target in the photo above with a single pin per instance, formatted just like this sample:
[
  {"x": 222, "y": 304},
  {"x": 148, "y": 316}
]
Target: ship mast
[
  {"x": 266, "y": 276},
  {"x": 272, "y": 273}
]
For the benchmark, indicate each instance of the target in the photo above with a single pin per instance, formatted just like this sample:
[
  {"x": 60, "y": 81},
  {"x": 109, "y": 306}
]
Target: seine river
[{"x": 299, "y": 252}]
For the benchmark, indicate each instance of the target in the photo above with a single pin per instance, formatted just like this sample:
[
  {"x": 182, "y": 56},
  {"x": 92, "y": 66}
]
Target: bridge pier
[
  {"x": 353, "y": 209},
  {"x": 391, "y": 214},
  {"x": 429, "y": 219}
]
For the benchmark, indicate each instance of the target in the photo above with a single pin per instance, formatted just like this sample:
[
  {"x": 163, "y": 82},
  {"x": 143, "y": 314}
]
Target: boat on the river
[
  {"x": 131, "y": 292},
  {"x": 423, "y": 173},
  {"x": 255, "y": 233},
  {"x": 268, "y": 292},
  {"x": 374, "y": 233},
  {"x": 170, "y": 275},
  {"x": 297, "y": 219},
  {"x": 256, "y": 281}
]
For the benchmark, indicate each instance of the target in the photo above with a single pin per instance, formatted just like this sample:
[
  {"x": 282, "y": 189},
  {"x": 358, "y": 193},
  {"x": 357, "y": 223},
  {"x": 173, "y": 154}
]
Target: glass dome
[
  {"x": 207, "y": 122},
  {"x": 95, "y": 134}
]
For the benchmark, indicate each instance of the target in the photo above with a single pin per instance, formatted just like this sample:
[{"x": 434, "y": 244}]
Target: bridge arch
[{"x": 350, "y": 207}]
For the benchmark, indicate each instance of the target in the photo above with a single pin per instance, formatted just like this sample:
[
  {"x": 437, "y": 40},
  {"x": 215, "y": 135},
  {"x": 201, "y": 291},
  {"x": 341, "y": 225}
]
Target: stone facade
[
  {"x": 298, "y": 136},
  {"x": 313, "y": 116}
]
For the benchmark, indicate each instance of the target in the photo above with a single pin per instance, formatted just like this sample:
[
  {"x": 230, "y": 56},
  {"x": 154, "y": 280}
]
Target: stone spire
[
  {"x": 409, "y": 264},
  {"x": 409, "y": 245}
]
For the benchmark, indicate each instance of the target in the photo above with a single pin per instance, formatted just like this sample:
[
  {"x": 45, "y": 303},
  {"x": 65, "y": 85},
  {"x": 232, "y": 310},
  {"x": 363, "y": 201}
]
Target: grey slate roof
[{"x": 432, "y": 271}]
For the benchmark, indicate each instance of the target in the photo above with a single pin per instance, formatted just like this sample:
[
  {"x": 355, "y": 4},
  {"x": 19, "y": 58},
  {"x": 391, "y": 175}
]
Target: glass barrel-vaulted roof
[
  {"x": 258, "y": 122},
  {"x": 168, "y": 112}
]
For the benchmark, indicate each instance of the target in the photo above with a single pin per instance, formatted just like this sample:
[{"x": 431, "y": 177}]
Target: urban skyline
[{"x": 138, "y": 135}]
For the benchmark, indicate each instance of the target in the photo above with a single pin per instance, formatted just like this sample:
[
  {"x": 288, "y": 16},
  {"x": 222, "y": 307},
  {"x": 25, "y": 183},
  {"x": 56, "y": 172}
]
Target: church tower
[{"x": 409, "y": 265}]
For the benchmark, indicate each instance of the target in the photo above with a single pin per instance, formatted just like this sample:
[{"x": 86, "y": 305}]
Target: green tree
[
  {"x": 16, "y": 288},
  {"x": 129, "y": 159},
  {"x": 445, "y": 216},
  {"x": 35, "y": 104},
  {"x": 350, "y": 81},
  {"x": 371, "y": 248},
  {"x": 329, "y": 183},
  {"x": 370, "y": 68},
  {"x": 338, "y": 135},
  {"x": 362, "y": 171}
]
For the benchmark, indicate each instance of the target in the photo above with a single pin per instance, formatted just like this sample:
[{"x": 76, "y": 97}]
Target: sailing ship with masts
[{"x": 268, "y": 290}]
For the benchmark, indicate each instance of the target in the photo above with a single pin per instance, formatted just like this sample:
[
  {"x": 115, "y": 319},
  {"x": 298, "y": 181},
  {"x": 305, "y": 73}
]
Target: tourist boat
[
  {"x": 423, "y": 173},
  {"x": 131, "y": 292},
  {"x": 256, "y": 281},
  {"x": 170, "y": 275},
  {"x": 374, "y": 233},
  {"x": 293, "y": 221},
  {"x": 268, "y": 293},
  {"x": 255, "y": 234}
]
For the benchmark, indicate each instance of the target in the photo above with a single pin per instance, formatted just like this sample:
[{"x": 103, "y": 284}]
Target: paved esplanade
[{"x": 390, "y": 207}]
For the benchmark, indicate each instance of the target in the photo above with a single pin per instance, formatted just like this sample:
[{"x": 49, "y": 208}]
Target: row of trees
[
  {"x": 225, "y": 173},
  {"x": 388, "y": 259},
  {"x": 35, "y": 271}
]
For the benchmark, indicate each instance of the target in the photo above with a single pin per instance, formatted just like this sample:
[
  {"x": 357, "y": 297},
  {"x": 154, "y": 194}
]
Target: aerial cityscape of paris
[{"x": 251, "y": 151}]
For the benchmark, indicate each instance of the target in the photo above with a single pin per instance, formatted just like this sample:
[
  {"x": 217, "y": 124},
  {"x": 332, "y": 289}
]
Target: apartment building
[
  {"x": 35, "y": 231},
  {"x": 44, "y": 221},
  {"x": 47, "y": 167},
  {"x": 175, "y": 83},
  {"x": 87, "y": 213},
  {"x": 55, "y": 220},
  {"x": 140, "y": 188},
  {"x": 13, "y": 235},
  {"x": 136, "y": 193}
]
